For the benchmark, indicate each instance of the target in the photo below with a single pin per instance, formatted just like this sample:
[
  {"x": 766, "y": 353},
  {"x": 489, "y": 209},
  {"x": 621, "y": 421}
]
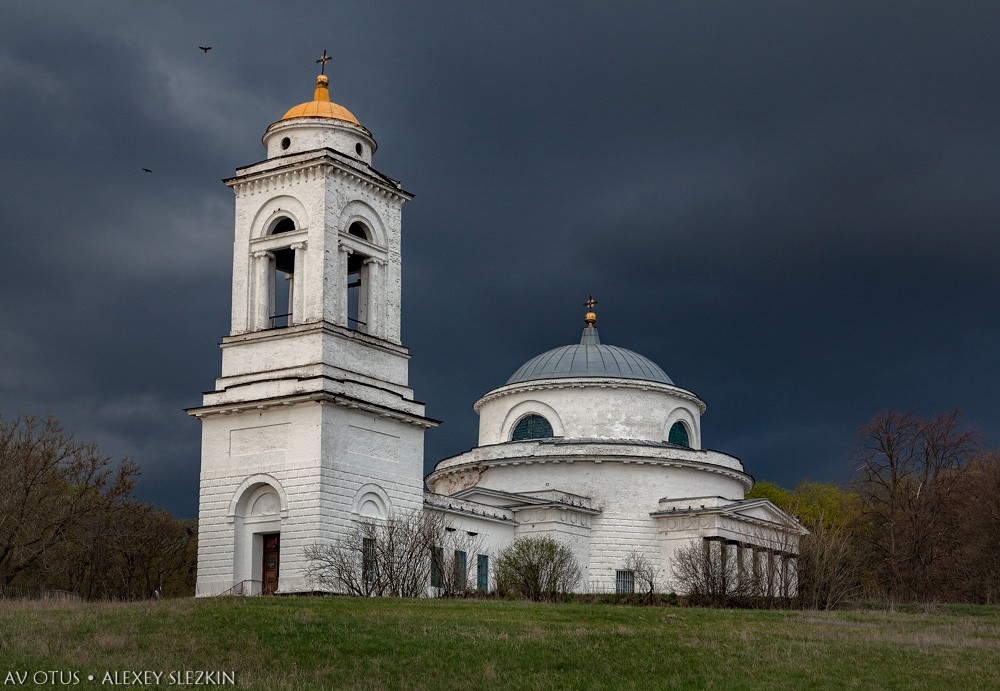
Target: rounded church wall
[
  {"x": 300, "y": 135},
  {"x": 616, "y": 487},
  {"x": 590, "y": 411}
]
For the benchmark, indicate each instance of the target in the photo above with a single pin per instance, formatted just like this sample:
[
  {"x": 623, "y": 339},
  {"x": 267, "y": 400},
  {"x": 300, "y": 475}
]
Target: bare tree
[
  {"x": 454, "y": 561},
  {"x": 51, "y": 485},
  {"x": 645, "y": 573},
  {"x": 379, "y": 557},
  {"x": 707, "y": 577},
  {"x": 537, "y": 568},
  {"x": 976, "y": 573},
  {"x": 908, "y": 473},
  {"x": 400, "y": 556},
  {"x": 760, "y": 571},
  {"x": 828, "y": 565}
]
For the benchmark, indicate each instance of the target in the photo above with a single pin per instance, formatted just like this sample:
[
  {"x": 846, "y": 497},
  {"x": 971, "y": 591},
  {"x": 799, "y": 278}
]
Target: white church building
[{"x": 312, "y": 425}]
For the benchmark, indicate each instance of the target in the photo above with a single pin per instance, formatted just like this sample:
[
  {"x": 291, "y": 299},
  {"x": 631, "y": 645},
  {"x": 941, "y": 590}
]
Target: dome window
[
  {"x": 679, "y": 435},
  {"x": 531, "y": 427}
]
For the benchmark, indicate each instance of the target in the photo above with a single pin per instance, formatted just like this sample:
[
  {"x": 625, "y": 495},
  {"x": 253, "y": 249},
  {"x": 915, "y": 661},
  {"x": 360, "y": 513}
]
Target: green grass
[{"x": 329, "y": 643}]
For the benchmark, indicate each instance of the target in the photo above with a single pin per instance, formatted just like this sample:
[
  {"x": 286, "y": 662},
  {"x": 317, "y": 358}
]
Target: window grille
[
  {"x": 624, "y": 581},
  {"x": 531, "y": 427},
  {"x": 460, "y": 569},
  {"x": 483, "y": 572},
  {"x": 437, "y": 558}
]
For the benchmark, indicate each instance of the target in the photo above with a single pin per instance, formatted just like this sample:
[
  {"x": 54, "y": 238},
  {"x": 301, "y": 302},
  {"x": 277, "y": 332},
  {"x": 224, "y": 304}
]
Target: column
[
  {"x": 340, "y": 289},
  {"x": 739, "y": 577},
  {"x": 297, "y": 306},
  {"x": 262, "y": 293},
  {"x": 374, "y": 298}
]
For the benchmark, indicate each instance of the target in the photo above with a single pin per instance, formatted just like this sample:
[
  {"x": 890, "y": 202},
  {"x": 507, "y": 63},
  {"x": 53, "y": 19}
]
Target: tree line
[
  {"x": 918, "y": 522},
  {"x": 69, "y": 521}
]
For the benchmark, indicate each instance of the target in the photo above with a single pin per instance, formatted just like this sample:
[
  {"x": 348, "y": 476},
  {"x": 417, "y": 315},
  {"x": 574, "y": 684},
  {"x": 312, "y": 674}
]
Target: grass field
[{"x": 331, "y": 643}]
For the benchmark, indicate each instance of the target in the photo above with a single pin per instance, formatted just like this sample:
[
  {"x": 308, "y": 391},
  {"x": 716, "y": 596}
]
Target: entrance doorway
[{"x": 270, "y": 567}]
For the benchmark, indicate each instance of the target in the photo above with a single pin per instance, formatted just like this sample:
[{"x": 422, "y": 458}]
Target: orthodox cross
[{"x": 322, "y": 61}]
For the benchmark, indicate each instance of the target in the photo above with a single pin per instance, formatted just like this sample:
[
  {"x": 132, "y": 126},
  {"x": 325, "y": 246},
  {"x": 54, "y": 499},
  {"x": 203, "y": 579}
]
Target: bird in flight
[
  {"x": 206, "y": 48},
  {"x": 147, "y": 170}
]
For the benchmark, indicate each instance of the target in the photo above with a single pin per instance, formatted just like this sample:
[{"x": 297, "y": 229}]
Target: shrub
[{"x": 537, "y": 568}]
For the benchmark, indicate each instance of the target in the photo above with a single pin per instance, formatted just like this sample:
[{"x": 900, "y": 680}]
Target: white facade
[
  {"x": 312, "y": 423},
  {"x": 611, "y": 482},
  {"x": 312, "y": 426}
]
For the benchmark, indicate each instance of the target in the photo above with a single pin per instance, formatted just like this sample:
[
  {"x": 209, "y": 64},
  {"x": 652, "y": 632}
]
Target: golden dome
[{"x": 321, "y": 106}]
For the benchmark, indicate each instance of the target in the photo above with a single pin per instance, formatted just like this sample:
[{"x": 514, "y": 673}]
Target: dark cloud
[{"x": 791, "y": 208}]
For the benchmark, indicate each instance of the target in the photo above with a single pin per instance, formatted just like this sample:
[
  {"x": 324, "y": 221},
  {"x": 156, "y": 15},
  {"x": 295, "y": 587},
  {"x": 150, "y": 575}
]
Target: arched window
[
  {"x": 679, "y": 435},
  {"x": 531, "y": 427},
  {"x": 284, "y": 225},
  {"x": 284, "y": 275},
  {"x": 358, "y": 282},
  {"x": 358, "y": 230}
]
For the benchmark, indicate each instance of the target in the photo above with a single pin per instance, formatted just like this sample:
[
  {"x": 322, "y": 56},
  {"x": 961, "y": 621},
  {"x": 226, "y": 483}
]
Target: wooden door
[{"x": 270, "y": 569}]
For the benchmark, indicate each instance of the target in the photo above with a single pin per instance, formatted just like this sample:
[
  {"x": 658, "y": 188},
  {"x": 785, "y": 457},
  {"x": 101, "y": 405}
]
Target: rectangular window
[
  {"x": 437, "y": 559},
  {"x": 483, "y": 573},
  {"x": 461, "y": 569},
  {"x": 624, "y": 582},
  {"x": 368, "y": 559}
]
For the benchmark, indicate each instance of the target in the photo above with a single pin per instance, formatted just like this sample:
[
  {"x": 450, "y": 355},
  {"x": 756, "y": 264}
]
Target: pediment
[{"x": 763, "y": 510}]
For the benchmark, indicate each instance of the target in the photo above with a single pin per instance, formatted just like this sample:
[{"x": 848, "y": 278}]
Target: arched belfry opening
[
  {"x": 275, "y": 272},
  {"x": 360, "y": 283}
]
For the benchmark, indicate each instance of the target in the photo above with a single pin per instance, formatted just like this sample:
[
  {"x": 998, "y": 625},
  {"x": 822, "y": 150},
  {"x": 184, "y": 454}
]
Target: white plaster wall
[
  {"x": 311, "y": 350},
  {"x": 626, "y": 495},
  {"x": 595, "y": 409},
  {"x": 570, "y": 528},
  {"x": 308, "y": 134},
  {"x": 282, "y": 443},
  {"x": 491, "y": 537},
  {"x": 321, "y": 455},
  {"x": 361, "y": 449}
]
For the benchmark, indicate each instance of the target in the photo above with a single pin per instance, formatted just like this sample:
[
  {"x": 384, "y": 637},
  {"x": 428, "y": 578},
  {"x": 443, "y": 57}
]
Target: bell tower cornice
[{"x": 266, "y": 176}]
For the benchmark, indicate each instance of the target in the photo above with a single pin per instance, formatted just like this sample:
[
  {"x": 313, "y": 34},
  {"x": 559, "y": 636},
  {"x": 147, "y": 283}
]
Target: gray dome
[{"x": 589, "y": 359}]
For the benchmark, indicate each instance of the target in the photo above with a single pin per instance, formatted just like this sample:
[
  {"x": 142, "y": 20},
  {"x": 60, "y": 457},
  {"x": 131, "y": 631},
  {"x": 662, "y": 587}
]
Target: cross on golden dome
[
  {"x": 322, "y": 62},
  {"x": 590, "y": 317}
]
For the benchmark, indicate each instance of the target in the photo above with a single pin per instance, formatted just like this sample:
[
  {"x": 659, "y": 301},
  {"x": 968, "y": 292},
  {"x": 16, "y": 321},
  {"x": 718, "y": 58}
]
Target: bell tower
[{"x": 312, "y": 423}]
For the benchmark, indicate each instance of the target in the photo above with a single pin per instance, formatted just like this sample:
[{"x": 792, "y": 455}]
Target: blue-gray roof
[{"x": 590, "y": 359}]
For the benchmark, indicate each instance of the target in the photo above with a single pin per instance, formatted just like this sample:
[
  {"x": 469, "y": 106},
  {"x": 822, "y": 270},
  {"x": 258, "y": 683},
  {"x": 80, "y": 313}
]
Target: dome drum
[
  {"x": 590, "y": 410},
  {"x": 287, "y": 137}
]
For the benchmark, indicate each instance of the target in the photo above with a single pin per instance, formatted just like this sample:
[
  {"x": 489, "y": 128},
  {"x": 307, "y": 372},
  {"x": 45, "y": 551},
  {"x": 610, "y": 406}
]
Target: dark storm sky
[{"x": 790, "y": 207}]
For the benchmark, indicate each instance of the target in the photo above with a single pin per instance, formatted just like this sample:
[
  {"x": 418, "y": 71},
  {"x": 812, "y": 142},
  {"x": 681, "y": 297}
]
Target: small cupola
[{"x": 318, "y": 124}]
